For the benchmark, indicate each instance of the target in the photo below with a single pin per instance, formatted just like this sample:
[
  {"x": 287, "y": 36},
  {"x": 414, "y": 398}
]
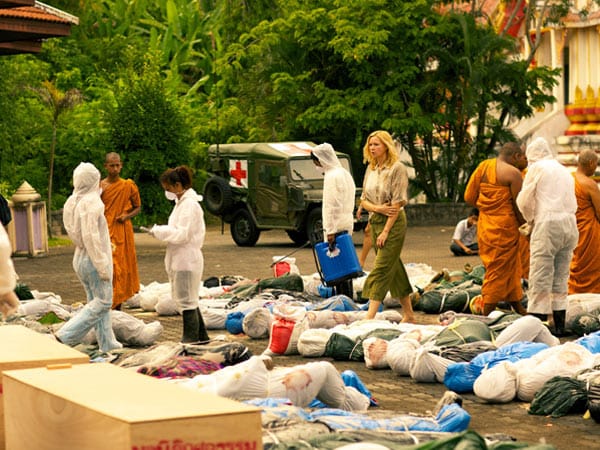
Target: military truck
[{"x": 267, "y": 185}]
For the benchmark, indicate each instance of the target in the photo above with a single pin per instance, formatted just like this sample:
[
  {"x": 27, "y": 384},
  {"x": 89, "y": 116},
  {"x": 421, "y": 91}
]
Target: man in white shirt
[
  {"x": 464, "y": 240},
  {"x": 547, "y": 202}
]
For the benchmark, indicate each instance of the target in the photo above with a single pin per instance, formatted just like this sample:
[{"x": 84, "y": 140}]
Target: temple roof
[{"x": 25, "y": 24}]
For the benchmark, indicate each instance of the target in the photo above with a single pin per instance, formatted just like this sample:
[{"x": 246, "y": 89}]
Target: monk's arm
[
  {"x": 134, "y": 211},
  {"x": 472, "y": 190},
  {"x": 516, "y": 183},
  {"x": 594, "y": 192}
]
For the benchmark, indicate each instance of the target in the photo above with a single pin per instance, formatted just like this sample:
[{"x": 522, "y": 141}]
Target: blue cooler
[{"x": 340, "y": 267}]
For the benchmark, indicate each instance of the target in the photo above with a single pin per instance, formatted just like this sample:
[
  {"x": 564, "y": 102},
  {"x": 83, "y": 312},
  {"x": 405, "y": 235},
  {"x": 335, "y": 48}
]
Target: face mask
[{"x": 170, "y": 196}]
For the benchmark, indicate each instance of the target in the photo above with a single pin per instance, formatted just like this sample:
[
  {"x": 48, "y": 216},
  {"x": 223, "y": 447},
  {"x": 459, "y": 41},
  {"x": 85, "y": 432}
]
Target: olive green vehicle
[{"x": 267, "y": 185}]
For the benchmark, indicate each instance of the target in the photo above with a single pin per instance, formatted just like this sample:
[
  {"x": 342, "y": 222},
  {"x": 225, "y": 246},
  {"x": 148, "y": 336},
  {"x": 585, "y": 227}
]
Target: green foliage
[
  {"x": 148, "y": 130},
  {"x": 225, "y": 71}
]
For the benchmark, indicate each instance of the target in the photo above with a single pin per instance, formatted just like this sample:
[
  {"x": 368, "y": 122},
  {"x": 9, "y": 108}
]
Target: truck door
[{"x": 271, "y": 193}]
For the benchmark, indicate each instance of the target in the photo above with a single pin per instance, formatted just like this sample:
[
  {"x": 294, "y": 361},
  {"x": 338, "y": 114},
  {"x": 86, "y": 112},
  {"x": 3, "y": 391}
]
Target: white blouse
[{"x": 386, "y": 185}]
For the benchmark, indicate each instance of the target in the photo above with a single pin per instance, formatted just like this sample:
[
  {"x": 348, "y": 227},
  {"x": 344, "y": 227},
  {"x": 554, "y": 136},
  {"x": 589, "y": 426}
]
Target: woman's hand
[
  {"x": 382, "y": 238},
  {"x": 388, "y": 210}
]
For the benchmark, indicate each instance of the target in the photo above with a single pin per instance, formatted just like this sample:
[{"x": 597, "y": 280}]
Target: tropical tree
[
  {"x": 150, "y": 132},
  {"x": 58, "y": 103},
  {"x": 470, "y": 94},
  {"x": 337, "y": 70}
]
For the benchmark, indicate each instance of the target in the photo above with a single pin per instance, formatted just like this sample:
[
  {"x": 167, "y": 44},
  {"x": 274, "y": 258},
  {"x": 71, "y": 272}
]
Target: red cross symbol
[{"x": 239, "y": 174}]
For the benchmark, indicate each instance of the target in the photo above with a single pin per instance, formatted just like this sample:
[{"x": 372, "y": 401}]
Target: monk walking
[
  {"x": 121, "y": 202},
  {"x": 585, "y": 264},
  {"x": 493, "y": 188}
]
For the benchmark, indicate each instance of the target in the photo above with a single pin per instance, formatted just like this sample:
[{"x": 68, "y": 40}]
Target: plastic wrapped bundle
[
  {"x": 560, "y": 396},
  {"x": 584, "y": 324},
  {"x": 593, "y": 395}
]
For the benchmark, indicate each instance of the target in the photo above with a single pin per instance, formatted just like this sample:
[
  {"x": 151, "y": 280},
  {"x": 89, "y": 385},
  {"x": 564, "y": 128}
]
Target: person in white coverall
[
  {"x": 547, "y": 202},
  {"x": 339, "y": 193},
  {"x": 9, "y": 302},
  {"x": 83, "y": 217},
  {"x": 184, "y": 262}
]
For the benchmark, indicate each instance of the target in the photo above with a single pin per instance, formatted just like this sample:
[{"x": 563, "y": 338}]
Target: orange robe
[
  {"x": 497, "y": 234},
  {"x": 585, "y": 265},
  {"x": 119, "y": 198}
]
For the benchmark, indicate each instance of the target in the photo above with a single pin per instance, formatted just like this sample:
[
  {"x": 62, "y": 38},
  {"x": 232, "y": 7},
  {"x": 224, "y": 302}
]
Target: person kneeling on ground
[{"x": 464, "y": 240}]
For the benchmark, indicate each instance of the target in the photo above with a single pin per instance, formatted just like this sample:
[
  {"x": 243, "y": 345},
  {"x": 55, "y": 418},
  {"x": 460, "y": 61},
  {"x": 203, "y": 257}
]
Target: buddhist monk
[
  {"x": 585, "y": 265},
  {"x": 493, "y": 189},
  {"x": 122, "y": 202}
]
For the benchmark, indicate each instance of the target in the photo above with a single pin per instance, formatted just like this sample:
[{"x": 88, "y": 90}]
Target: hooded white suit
[
  {"x": 547, "y": 200},
  {"x": 338, "y": 192},
  {"x": 83, "y": 216}
]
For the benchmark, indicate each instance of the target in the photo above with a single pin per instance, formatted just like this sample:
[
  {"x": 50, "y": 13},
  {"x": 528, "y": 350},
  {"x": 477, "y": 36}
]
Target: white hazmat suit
[
  {"x": 338, "y": 192},
  {"x": 548, "y": 203},
  {"x": 184, "y": 262},
  {"x": 83, "y": 217}
]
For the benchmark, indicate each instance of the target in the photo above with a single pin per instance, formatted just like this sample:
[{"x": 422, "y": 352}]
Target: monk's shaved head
[
  {"x": 587, "y": 157},
  {"x": 112, "y": 155},
  {"x": 510, "y": 149}
]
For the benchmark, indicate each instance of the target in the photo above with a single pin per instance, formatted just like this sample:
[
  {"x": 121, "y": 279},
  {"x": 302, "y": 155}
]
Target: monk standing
[
  {"x": 585, "y": 264},
  {"x": 121, "y": 202},
  {"x": 493, "y": 188}
]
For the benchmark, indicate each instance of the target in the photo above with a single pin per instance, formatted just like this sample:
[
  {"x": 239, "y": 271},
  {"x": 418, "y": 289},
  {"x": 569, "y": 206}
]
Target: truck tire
[
  {"x": 298, "y": 237},
  {"x": 244, "y": 231},
  {"x": 314, "y": 225},
  {"x": 218, "y": 195}
]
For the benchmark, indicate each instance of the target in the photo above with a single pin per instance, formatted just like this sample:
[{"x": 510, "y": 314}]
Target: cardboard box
[
  {"x": 22, "y": 348},
  {"x": 101, "y": 406}
]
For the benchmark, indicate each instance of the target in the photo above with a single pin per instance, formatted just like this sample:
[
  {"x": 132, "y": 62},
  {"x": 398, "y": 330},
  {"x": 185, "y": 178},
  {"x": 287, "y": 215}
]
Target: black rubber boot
[
  {"x": 191, "y": 326},
  {"x": 559, "y": 323},
  {"x": 202, "y": 333},
  {"x": 345, "y": 288}
]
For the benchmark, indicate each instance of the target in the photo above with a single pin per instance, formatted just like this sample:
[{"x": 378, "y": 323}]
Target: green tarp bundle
[
  {"x": 455, "y": 298},
  {"x": 342, "y": 348},
  {"x": 462, "y": 331},
  {"x": 559, "y": 396}
]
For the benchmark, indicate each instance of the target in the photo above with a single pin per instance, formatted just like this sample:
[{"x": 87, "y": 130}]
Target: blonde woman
[{"x": 384, "y": 196}]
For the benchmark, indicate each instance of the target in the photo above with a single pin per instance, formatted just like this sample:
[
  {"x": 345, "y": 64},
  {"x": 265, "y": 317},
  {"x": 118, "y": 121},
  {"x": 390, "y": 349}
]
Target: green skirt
[{"x": 389, "y": 273}]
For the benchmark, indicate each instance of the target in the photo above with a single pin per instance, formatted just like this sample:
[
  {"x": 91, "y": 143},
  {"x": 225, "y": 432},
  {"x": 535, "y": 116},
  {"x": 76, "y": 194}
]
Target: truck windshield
[{"x": 305, "y": 169}]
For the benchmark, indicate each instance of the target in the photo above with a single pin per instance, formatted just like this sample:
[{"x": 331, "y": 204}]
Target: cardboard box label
[{"x": 178, "y": 444}]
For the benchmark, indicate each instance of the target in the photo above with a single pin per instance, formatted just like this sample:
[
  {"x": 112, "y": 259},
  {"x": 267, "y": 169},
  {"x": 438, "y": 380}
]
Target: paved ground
[{"x": 423, "y": 245}]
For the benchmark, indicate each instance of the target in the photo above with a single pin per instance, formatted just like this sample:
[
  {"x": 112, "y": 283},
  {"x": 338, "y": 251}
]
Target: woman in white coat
[{"x": 184, "y": 262}]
